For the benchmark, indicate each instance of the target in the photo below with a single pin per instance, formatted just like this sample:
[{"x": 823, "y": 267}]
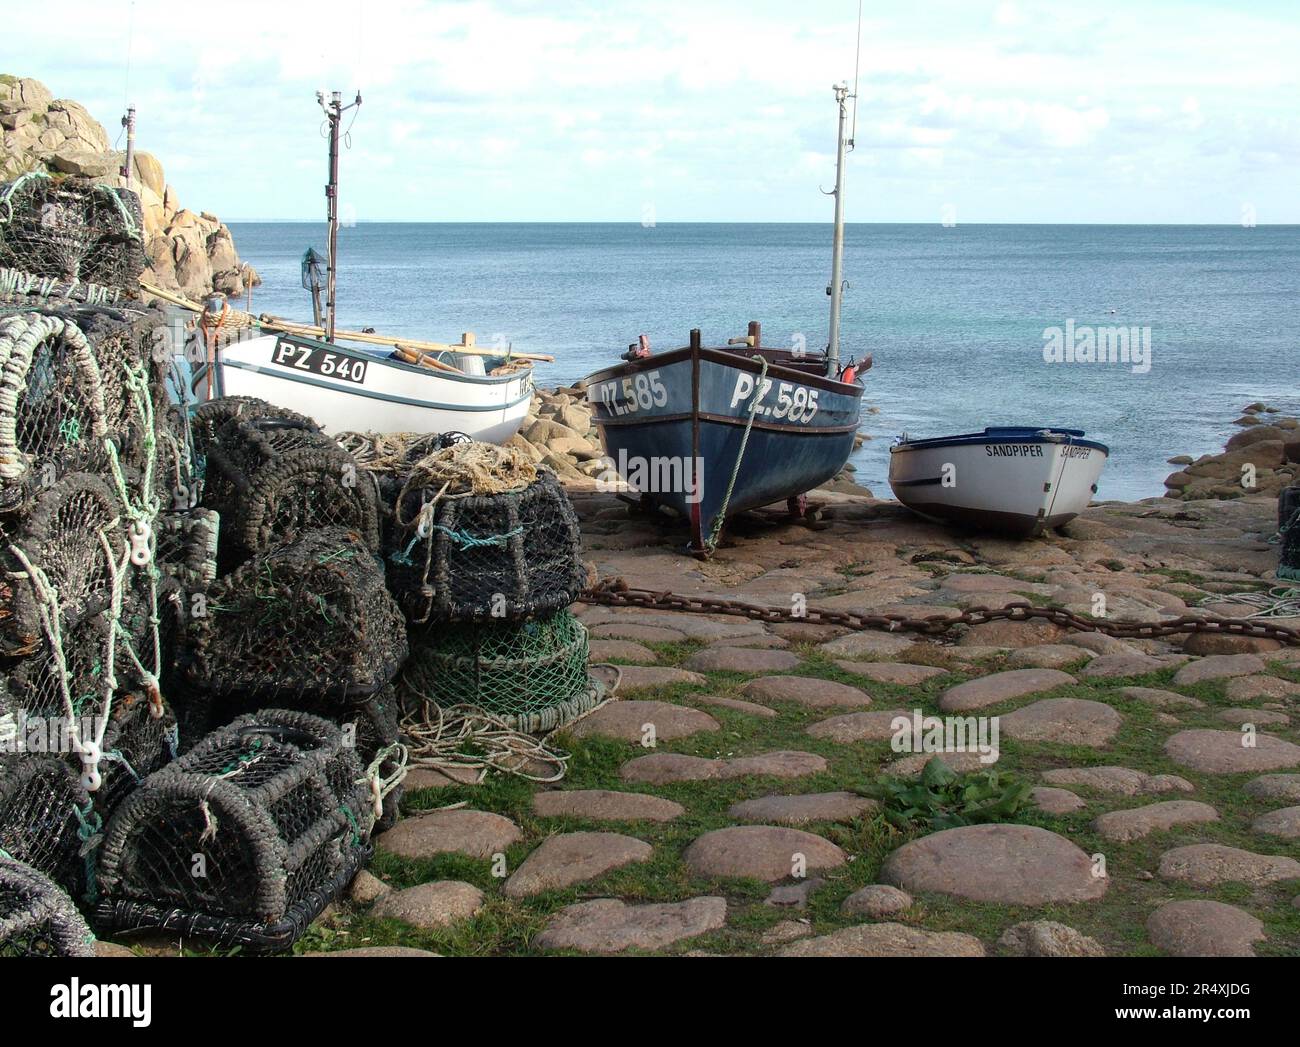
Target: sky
[{"x": 1138, "y": 111}]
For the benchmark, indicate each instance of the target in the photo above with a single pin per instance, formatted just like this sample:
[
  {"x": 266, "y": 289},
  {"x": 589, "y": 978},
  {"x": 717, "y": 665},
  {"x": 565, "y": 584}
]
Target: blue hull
[{"x": 676, "y": 429}]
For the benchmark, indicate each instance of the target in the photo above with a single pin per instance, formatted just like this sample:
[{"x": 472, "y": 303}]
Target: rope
[
  {"x": 1279, "y": 602},
  {"x": 469, "y": 541},
  {"x": 7, "y": 195},
  {"x": 381, "y": 787},
  {"x": 711, "y": 543}
]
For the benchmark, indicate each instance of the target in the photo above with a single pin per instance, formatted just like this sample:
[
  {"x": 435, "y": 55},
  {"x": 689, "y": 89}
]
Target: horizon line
[{"x": 582, "y": 221}]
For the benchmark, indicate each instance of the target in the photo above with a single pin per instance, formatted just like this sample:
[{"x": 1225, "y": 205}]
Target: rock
[
  {"x": 1275, "y": 787},
  {"x": 798, "y": 810},
  {"x": 1034, "y": 633},
  {"x": 81, "y": 160},
  {"x": 418, "y": 778},
  {"x": 610, "y": 926},
  {"x": 1203, "y": 928},
  {"x": 1113, "y": 666},
  {"x": 886, "y": 940},
  {"x": 1133, "y": 824},
  {"x": 622, "y": 651},
  {"x": 1249, "y": 688},
  {"x": 807, "y": 691},
  {"x": 1002, "y": 864},
  {"x": 1056, "y": 801},
  {"x": 1046, "y": 656},
  {"x": 630, "y": 721},
  {"x": 430, "y": 905},
  {"x": 742, "y": 660},
  {"x": 1002, "y": 687},
  {"x": 1258, "y": 717},
  {"x": 1218, "y": 667},
  {"x": 961, "y": 763},
  {"x": 760, "y": 852},
  {"x": 111, "y": 950},
  {"x": 861, "y": 727},
  {"x": 1284, "y": 823},
  {"x": 1210, "y": 864},
  {"x": 1158, "y": 699},
  {"x": 893, "y": 672},
  {"x": 1045, "y": 938},
  {"x": 663, "y": 768},
  {"x": 737, "y": 705},
  {"x": 561, "y": 861},
  {"x": 785, "y": 931},
  {"x": 794, "y": 895},
  {"x": 867, "y": 645},
  {"x": 1226, "y": 644},
  {"x": 601, "y": 805},
  {"x": 636, "y": 632},
  {"x": 878, "y": 901},
  {"x": 367, "y": 887},
  {"x": 1121, "y": 781},
  {"x": 1063, "y": 720},
  {"x": 477, "y": 834},
  {"x": 1226, "y": 752},
  {"x": 648, "y": 678}
]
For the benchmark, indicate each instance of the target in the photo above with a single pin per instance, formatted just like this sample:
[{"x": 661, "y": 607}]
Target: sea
[{"x": 967, "y": 327}]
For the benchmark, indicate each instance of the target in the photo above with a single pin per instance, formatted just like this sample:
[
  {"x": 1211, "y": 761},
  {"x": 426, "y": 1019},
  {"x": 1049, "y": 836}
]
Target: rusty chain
[{"x": 615, "y": 592}]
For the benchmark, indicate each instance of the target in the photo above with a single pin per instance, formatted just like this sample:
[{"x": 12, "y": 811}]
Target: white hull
[
  {"x": 1016, "y": 481},
  {"x": 390, "y": 397}
]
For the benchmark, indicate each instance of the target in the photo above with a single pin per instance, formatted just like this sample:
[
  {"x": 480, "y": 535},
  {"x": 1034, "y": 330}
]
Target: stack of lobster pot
[
  {"x": 82, "y": 599},
  {"x": 484, "y": 556},
  {"x": 299, "y": 615},
  {"x": 1288, "y": 525}
]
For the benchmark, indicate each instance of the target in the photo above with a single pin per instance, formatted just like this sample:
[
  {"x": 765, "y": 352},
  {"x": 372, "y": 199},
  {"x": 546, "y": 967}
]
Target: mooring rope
[
  {"x": 711, "y": 542},
  {"x": 1278, "y": 602}
]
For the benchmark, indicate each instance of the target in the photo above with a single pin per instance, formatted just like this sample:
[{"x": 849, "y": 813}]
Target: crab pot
[
  {"x": 178, "y": 482},
  {"x": 187, "y": 547},
  {"x": 36, "y": 682},
  {"x": 72, "y": 380},
  {"x": 45, "y": 814},
  {"x": 313, "y": 619},
  {"x": 531, "y": 674},
  {"x": 1288, "y": 504},
  {"x": 211, "y": 416},
  {"x": 37, "y": 918},
  {"x": 140, "y": 740},
  {"x": 274, "y": 479},
  {"x": 369, "y": 726},
  {"x": 1289, "y": 568},
  {"x": 72, "y": 229},
  {"x": 486, "y": 558},
  {"x": 244, "y": 840}
]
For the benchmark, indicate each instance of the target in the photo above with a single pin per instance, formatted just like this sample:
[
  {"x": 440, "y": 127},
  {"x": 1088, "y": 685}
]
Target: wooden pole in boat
[
  {"x": 128, "y": 165},
  {"x": 334, "y": 110},
  {"x": 836, "y": 289}
]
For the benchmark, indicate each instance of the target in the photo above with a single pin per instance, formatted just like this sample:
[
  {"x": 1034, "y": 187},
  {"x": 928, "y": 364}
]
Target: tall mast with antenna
[
  {"x": 836, "y": 289},
  {"x": 128, "y": 165},
  {"x": 334, "y": 110}
]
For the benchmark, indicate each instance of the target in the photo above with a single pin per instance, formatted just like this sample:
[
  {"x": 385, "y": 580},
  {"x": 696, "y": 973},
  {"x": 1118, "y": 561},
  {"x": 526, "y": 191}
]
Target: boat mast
[
  {"x": 334, "y": 110},
  {"x": 836, "y": 289},
  {"x": 128, "y": 165}
]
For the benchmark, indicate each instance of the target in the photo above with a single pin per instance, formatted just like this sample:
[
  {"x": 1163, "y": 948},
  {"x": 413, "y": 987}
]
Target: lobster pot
[
  {"x": 37, "y": 918},
  {"x": 371, "y": 727},
  {"x": 491, "y": 557},
  {"x": 141, "y": 738},
  {"x": 45, "y": 813},
  {"x": 70, "y": 229},
  {"x": 1288, "y": 504},
  {"x": 62, "y": 536},
  {"x": 274, "y": 479},
  {"x": 72, "y": 380},
  {"x": 41, "y": 685},
  {"x": 187, "y": 547},
  {"x": 244, "y": 840},
  {"x": 531, "y": 674},
  {"x": 211, "y": 416},
  {"x": 178, "y": 483},
  {"x": 312, "y": 619},
  {"x": 1289, "y": 568}
]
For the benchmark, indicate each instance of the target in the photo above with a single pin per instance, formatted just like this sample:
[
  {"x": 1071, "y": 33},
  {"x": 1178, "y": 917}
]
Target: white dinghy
[{"x": 1014, "y": 481}]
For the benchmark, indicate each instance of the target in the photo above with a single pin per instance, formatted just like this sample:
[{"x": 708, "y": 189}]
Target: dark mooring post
[
  {"x": 755, "y": 334},
  {"x": 696, "y": 339}
]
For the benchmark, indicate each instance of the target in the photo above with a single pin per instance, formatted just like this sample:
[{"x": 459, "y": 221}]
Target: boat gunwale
[
  {"x": 729, "y": 358},
  {"x": 975, "y": 439}
]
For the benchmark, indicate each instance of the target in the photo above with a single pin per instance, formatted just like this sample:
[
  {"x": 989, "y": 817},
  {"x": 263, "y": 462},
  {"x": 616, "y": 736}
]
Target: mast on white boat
[
  {"x": 128, "y": 165},
  {"x": 334, "y": 110}
]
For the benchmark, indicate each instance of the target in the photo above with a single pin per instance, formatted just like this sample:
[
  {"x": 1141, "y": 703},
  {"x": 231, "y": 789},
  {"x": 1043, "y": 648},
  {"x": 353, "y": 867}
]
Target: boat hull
[
  {"x": 1019, "y": 482},
  {"x": 676, "y": 428},
  {"x": 391, "y": 397}
]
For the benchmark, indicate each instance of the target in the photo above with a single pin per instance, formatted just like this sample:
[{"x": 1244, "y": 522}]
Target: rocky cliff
[{"x": 191, "y": 252}]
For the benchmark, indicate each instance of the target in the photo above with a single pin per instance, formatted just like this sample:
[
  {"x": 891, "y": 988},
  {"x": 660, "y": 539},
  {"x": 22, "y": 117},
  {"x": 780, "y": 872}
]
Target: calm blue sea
[{"x": 955, "y": 318}]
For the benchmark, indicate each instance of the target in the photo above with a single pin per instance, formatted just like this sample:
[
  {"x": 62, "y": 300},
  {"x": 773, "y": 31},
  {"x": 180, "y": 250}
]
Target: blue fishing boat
[{"x": 711, "y": 432}]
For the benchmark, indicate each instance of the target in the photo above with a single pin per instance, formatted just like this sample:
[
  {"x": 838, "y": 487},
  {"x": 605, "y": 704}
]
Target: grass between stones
[{"x": 506, "y": 926}]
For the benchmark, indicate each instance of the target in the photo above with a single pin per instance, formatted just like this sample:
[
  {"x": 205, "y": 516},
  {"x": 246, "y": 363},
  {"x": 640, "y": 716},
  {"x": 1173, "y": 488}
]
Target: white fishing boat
[
  {"x": 1017, "y": 481},
  {"x": 347, "y": 388}
]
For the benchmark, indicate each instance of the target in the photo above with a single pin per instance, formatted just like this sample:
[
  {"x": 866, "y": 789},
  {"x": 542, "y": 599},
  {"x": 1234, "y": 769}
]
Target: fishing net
[
  {"x": 37, "y": 918},
  {"x": 245, "y": 839},
  {"x": 484, "y": 557},
  {"x": 532, "y": 675},
  {"x": 273, "y": 479},
  {"x": 71, "y": 229},
  {"x": 178, "y": 482},
  {"x": 46, "y": 818},
  {"x": 187, "y": 547},
  {"x": 78, "y": 389},
  {"x": 63, "y": 533},
  {"x": 313, "y": 618},
  {"x": 141, "y": 738}
]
